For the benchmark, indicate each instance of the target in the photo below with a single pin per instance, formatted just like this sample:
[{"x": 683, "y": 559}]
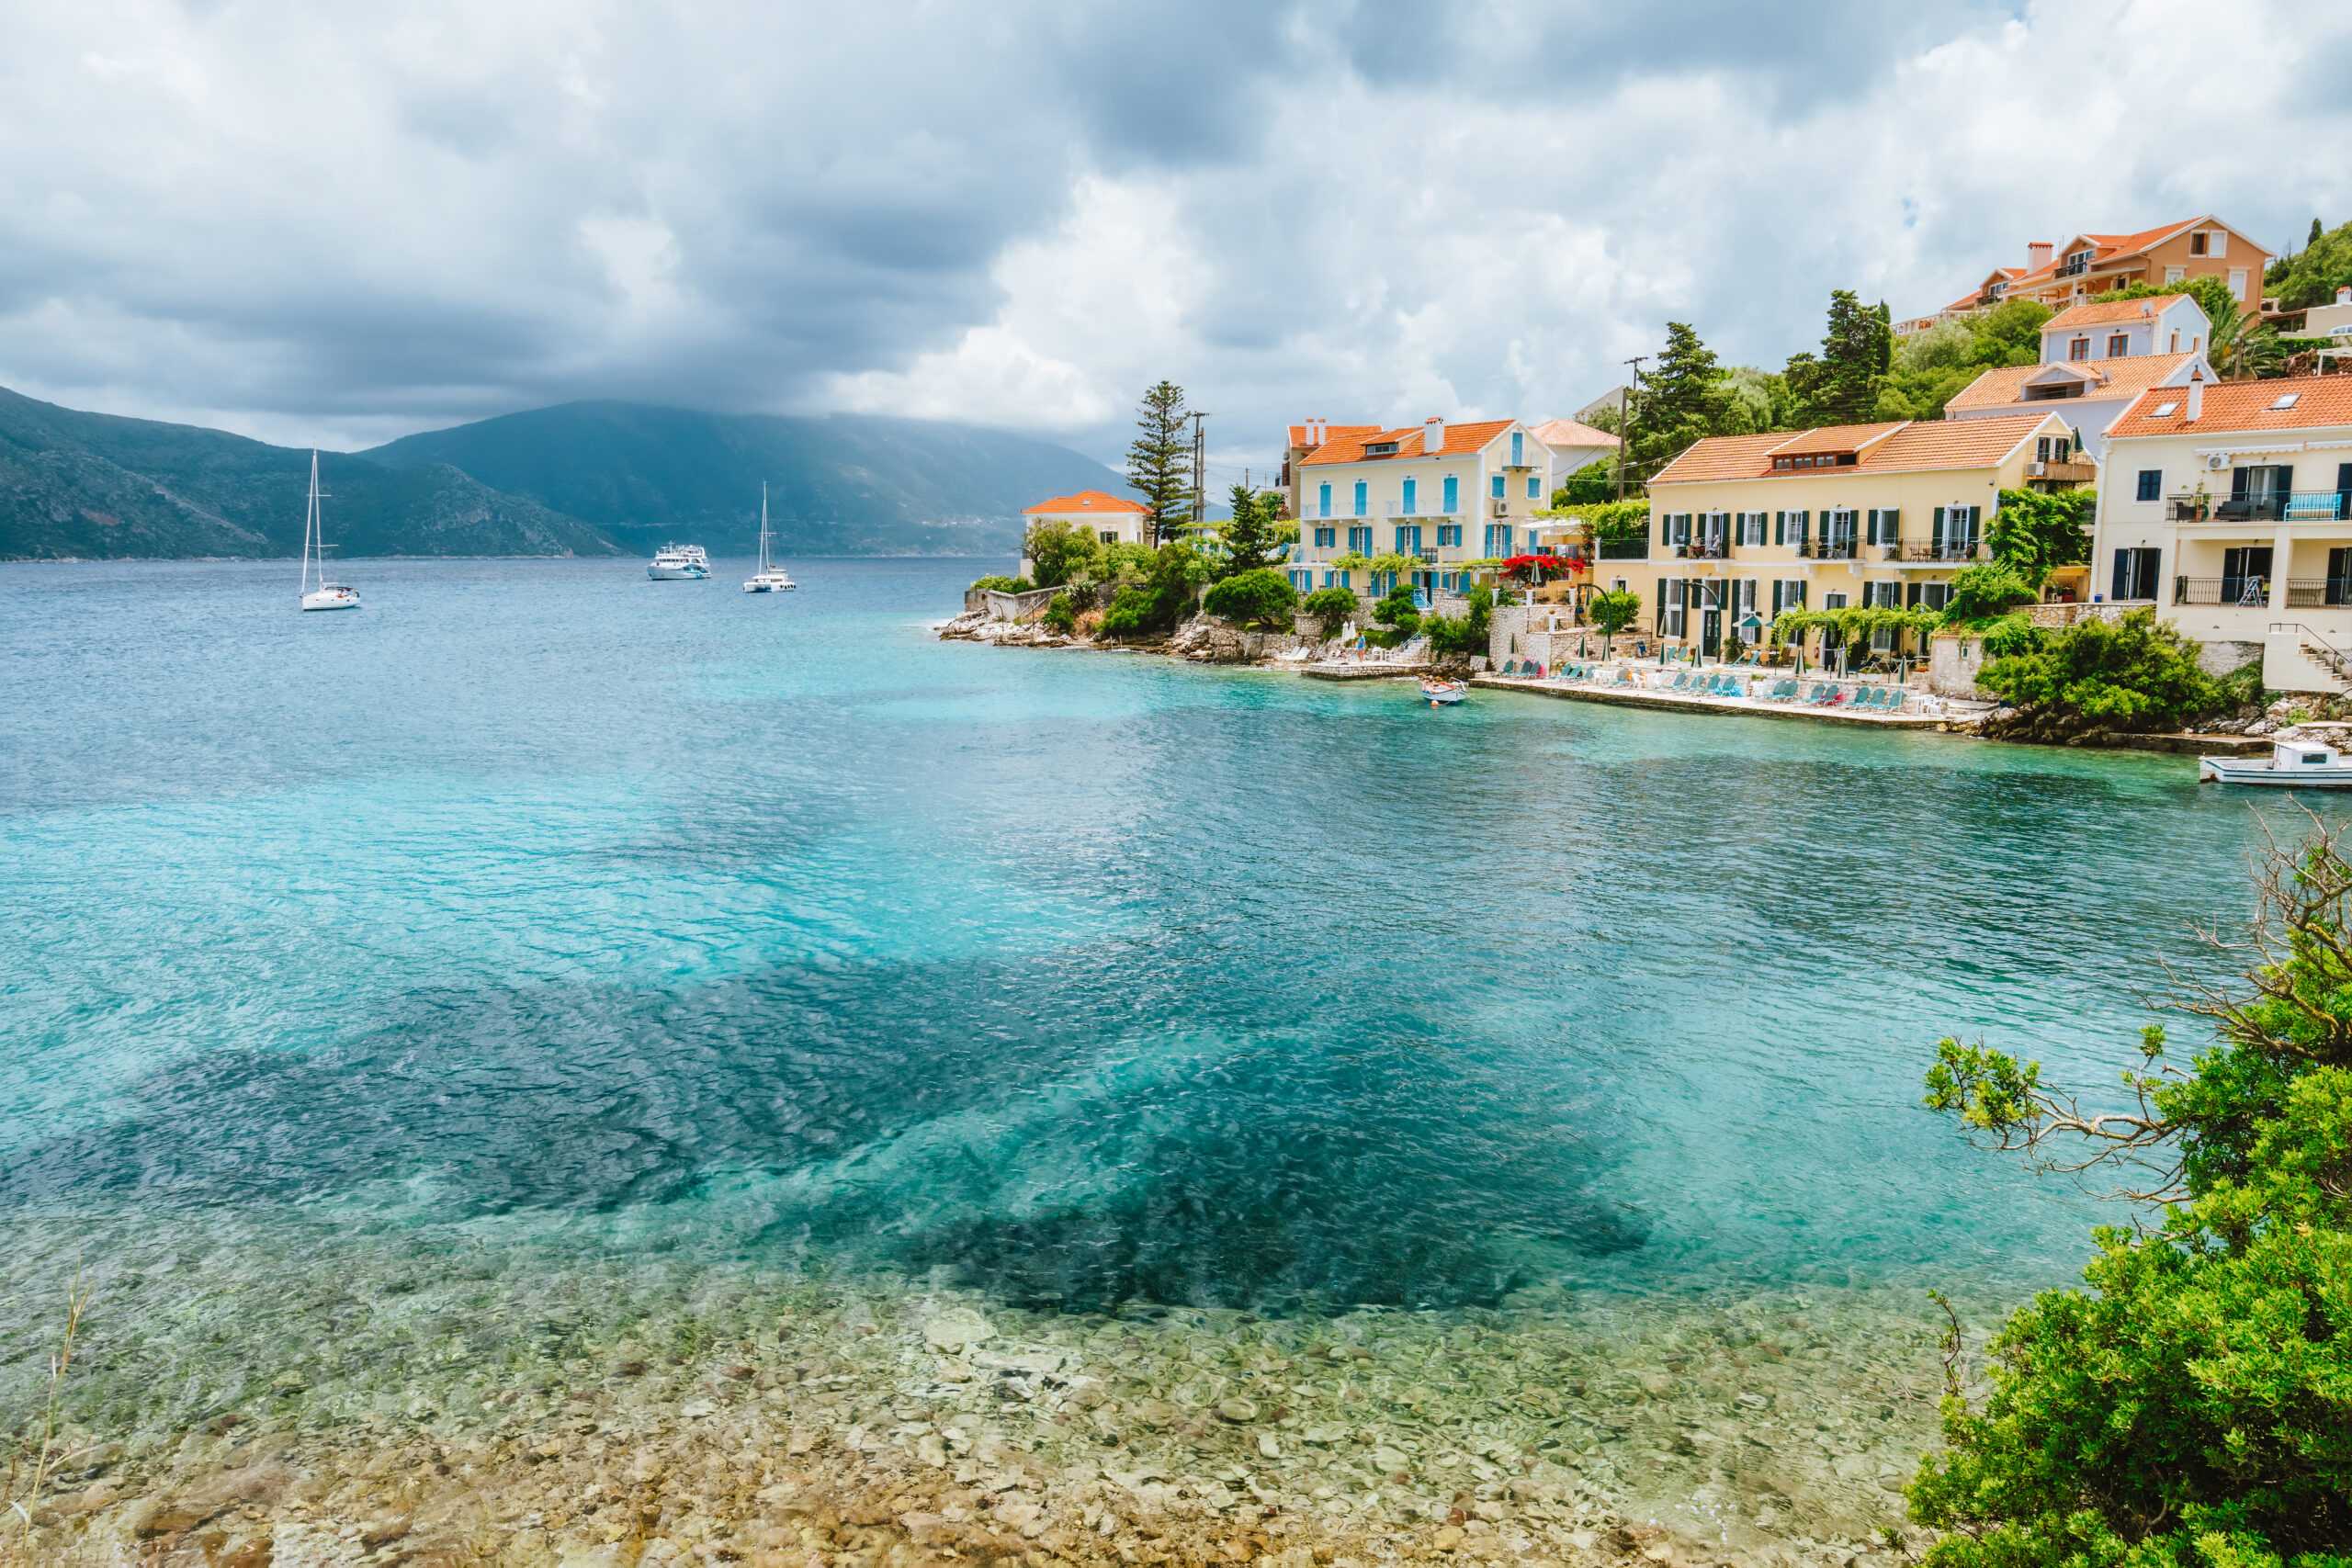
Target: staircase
[{"x": 2316, "y": 648}]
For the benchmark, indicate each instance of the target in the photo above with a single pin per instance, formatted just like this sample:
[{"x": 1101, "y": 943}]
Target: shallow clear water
[{"x": 538, "y": 911}]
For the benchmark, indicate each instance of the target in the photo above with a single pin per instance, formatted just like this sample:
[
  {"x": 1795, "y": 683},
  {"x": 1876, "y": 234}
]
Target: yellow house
[
  {"x": 1444, "y": 494},
  {"x": 1747, "y": 526}
]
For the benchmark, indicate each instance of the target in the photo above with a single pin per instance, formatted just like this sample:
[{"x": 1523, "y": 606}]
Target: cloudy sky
[{"x": 340, "y": 223}]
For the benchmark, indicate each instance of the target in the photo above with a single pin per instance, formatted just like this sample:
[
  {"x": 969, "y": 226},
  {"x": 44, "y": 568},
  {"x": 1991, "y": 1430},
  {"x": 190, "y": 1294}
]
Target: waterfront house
[
  {"x": 2228, "y": 506},
  {"x": 1110, "y": 518},
  {"x": 2084, "y": 265},
  {"x": 1448, "y": 495},
  {"x": 1305, "y": 438},
  {"x": 1851, "y": 515},
  {"x": 2095, "y": 360}
]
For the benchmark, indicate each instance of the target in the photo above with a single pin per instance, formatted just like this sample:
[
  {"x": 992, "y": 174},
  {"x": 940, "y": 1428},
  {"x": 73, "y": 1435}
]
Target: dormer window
[
  {"x": 1817, "y": 460},
  {"x": 2285, "y": 400},
  {"x": 1380, "y": 449}
]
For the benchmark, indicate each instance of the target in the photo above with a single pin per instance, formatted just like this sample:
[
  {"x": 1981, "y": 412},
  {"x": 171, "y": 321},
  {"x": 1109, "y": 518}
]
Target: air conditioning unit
[
  {"x": 2036, "y": 470},
  {"x": 2218, "y": 460},
  {"x": 1501, "y": 507}
]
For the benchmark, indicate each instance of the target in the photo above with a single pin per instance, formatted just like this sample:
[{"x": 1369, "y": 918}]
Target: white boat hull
[
  {"x": 661, "y": 573},
  {"x": 2263, "y": 772},
  {"x": 1443, "y": 694},
  {"x": 332, "y": 599}
]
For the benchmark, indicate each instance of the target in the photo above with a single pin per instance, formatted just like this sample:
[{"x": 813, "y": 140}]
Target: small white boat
[
  {"x": 770, "y": 578},
  {"x": 326, "y": 595},
  {"x": 674, "y": 563},
  {"x": 1444, "y": 694},
  {"x": 2292, "y": 765}
]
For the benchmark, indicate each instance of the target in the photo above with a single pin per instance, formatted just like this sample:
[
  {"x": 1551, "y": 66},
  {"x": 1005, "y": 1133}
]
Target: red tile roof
[
  {"x": 1299, "y": 433},
  {"x": 1461, "y": 440},
  {"x": 1568, "y": 432},
  {"x": 2235, "y": 406},
  {"x": 2107, "y": 377},
  {"x": 1912, "y": 446},
  {"x": 2078, "y": 317},
  {"x": 1084, "y": 501}
]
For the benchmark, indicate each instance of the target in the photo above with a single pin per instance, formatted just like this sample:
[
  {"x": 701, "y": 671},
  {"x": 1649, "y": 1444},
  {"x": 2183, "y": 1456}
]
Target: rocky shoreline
[{"x": 799, "y": 1423}]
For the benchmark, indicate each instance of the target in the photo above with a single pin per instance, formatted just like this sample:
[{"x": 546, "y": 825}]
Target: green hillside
[
  {"x": 92, "y": 485},
  {"x": 840, "y": 484}
]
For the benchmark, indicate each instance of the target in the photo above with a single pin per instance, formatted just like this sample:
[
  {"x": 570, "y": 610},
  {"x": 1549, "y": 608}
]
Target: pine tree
[
  {"x": 1841, "y": 386},
  {"x": 1254, "y": 537},
  {"x": 1681, "y": 401},
  {"x": 1160, "y": 464}
]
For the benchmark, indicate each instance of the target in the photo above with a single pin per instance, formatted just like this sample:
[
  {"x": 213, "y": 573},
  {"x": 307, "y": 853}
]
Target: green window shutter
[
  {"x": 1780, "y": 529},
  {"x": 1936, "y": 533},
  {"x": 1660, "y": 603}
]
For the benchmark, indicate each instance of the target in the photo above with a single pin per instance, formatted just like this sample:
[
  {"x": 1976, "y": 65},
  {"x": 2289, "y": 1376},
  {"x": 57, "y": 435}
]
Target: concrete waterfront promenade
[{"x": 1684, "y": 702}]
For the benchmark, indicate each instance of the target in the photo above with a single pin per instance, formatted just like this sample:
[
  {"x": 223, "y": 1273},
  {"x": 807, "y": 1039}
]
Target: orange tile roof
[
  {"x": 1914, "y": 446},
  {"x": 1568, "y": 432},
  {"x": 1299, "y": 433},
  {"x": 1835, "y": 439},
  {"x": 1461, "y": 441},
  {"x": 2107, "y": 377},
  {"x": 2235, "y": 406},
  {"x": 2094, "y": 315},
  {"x": 1084, "y": 501}
]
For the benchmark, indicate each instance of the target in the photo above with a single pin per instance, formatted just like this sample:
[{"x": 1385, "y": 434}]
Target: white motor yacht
[
  {"x": 674, "y": 563},
  {"x": 326, "y": 595},
  {"x": 770, "y": 578}
]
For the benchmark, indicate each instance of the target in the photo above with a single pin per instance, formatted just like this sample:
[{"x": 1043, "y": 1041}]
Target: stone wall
[
  {"x": 1000, "y": 606},
  {"x": 1954, "y": 658}
]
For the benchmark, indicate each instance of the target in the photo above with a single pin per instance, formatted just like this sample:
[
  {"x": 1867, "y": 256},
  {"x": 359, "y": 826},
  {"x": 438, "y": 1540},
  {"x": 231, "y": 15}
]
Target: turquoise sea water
[{"x": 541, "y": 909}]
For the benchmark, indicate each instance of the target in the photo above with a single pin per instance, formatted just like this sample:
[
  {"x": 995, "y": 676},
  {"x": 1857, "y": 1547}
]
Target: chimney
[
  {"x": 2196, "y": 397},
  {"x": 2037, "y": 256},
  {"x": 1432, "y": 437}
]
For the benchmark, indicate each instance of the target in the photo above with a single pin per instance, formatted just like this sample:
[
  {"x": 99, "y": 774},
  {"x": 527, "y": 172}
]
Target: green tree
[
  {"x": 1591, "y": 485},
  {"x": 1841, "y": 386},
  {"x": 1160, "y": 464},
  {"x": 1332, "y": 606},
  {"x": 2313, "y": 278},
  {"x": 1681, "y": 401},
  {"x": 1612, "y": 612},
  {"x": 1927, "y": 369},
  {"x": 1459, "y": 636},
  {"x": 2135, "y": 674},
  {"x": 2241, "y": 347},
  {"x": 1062, "y": 614},
  {"x": 1254, "y": 598},
  {"x": 1060, "y": 552},
  {"x": 2031, "y": 533},
  {"x": 1256, "y": 535},
  {"x": 2195, "y": 1406},
  {"x": 1985, "y": 590}
]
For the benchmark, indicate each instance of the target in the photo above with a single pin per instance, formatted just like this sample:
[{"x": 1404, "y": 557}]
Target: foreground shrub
[
  {"x": 1259, "y": 598},
  {"x": 1061, "y": 615},
  {"x": 1985, "y": 590},
  {"x": 1331, "y": 605},
  {"x": 2197, "y": 1409},
  {"x": 1456, "y": 636},
  {"x": 1005, "y": 584},
  {"x": 2135, "y": 674}
]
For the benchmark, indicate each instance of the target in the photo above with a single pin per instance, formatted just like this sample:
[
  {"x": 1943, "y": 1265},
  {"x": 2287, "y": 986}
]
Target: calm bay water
[{"x": 538, "y": 911}]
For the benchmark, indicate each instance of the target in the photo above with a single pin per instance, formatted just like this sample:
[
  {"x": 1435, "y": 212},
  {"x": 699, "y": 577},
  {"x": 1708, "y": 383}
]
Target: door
[
  {"x": 1711, "y": 634},
  {"x": 2135, "y": 574},
  {"x": 2246, "y": 576}
]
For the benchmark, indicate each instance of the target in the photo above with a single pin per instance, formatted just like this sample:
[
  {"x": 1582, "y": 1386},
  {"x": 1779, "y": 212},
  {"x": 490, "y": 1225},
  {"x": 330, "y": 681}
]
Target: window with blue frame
[
  {"x": 1364, "y": 495},
  {"x": 1449, "y": 533},
  {"x": 1360, "y": 540},
  {"x": 1452, "y": 494},
  {"x": 1499, "y": 539},
  {"x": 1326, "y": 537},
  {"x": 1409, "y": 539},
  {"x": 1498, "y": 487},
  {"x": 1517, "y": 449},
  {"x": 1412, "y": 498},
  {"x": 1326, "y": 500},
  {"x": 2152, "y": 484},
  {"x": 1534, "y": 487}
]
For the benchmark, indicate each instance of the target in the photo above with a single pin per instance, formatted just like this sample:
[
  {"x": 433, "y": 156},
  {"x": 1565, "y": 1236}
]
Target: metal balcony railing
[
  {"x": 2281, "y": 506},
  {"x": 1954, "y": 550},
  {"x": 1702, "y": 549},
  {"x": 2312, "y": 593},
  {"x": 1624, "y": 549},
  {"x": 2250, "y": 593},
  {"x": 1836, "y": 547}
]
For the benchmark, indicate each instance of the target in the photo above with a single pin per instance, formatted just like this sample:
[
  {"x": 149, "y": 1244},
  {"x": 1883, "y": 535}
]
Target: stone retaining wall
[{"x": 1003, "y": 606}]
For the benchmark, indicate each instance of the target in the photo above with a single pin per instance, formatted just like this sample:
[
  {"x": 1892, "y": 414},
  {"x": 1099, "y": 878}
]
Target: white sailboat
[
  {"x": 770, "y": 578},
  {"x": 326, "y": 595}
]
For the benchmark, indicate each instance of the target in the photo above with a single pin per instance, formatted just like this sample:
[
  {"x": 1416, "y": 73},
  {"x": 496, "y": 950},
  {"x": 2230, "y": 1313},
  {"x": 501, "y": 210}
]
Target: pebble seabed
[{"x": 240, "y": 1406}]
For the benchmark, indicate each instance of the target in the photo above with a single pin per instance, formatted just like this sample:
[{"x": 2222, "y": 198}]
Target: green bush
[
  {"x": 2194, "y": 1407},
  {"x": 1259, "y": 598},
  {"x": 1613, "y": 611},
  {"x": 1984, "y": 592},
  {"x": 1590, "y": 486},
  {"x": 1457, "y": 635},
  {"x": 1061, "y": 615},
  {"x": 1059, "y": 551},
  {"x": 1005, "y": 584},
  {"x": 1331, "y": 605},
  {"x": 1133, "y": 613},
  {"x": 2135, "y": 674},
  {"x": 1397, "y": 611}
]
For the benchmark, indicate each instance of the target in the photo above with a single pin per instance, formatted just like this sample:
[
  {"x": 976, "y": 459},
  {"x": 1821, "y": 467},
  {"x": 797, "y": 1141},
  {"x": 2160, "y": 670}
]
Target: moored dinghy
[
  {"x": 1443, "y": 694},
  {"x": 2292, "y": 765}
]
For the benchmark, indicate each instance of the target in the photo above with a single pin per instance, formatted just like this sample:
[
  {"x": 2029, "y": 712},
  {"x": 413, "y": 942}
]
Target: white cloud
[{"x": 341, "y": 225}]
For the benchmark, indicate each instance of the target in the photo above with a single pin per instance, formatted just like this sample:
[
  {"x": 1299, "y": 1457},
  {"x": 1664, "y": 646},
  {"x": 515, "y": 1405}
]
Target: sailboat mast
[
  {"x": 310, "y": 527},
  {"x": 763, "y": 525}
]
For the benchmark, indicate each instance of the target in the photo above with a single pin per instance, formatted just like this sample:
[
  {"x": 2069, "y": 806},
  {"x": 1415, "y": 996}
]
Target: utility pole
[
  {"x": 1200, "y": 469},
  {"x": 1625, "y": 422}
]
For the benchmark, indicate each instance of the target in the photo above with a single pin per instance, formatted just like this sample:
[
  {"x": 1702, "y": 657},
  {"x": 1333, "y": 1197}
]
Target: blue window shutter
[
  {"x": 1360, "y": 489},
  {"x": 1452, "y": 493},
  {"x": 1518, "y": 450},
  {"x": 1412, "y": 497},
  {"x": 1327, "y": 501},
  {"x": 1534, "y": 487}
]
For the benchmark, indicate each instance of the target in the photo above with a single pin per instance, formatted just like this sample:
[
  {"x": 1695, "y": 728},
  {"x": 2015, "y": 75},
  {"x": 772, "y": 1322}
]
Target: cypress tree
[{"x": 1160, "y": 464}]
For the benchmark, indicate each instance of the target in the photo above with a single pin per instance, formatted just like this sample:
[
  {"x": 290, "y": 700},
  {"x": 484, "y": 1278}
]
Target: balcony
[
  {"x": 2247, "y": 593},
  {"x": 1836, "y": 547},
  {"x": 2318, "y": 593},
  {"x": 2277, "y": 506},
  {"x": 1396, "y": 509},
  {"x": 1624, "y": 549},
  {"x": 2064, "y": 473},
  {"x": 1702, "y": 549},
  {"x": 1926, "y": 552}
]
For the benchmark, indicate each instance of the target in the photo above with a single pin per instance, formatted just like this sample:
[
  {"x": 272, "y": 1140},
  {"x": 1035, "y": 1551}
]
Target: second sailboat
[{"x": 770, "y": 578}]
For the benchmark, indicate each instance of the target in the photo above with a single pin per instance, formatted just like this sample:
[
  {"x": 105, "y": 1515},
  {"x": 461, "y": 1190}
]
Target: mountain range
[{"x": 580, "y": 478}]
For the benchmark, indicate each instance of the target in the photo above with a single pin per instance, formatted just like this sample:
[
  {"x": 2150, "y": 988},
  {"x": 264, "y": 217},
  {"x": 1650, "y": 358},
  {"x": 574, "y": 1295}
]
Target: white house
[
  {"x": 2095, "y": 360},
  {"x": 1447, "y": 494},
  {"x": 1573, "y": 446},
  {"x": 2229, "y": 507},
  {"x": 1110, "y": 518}
]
